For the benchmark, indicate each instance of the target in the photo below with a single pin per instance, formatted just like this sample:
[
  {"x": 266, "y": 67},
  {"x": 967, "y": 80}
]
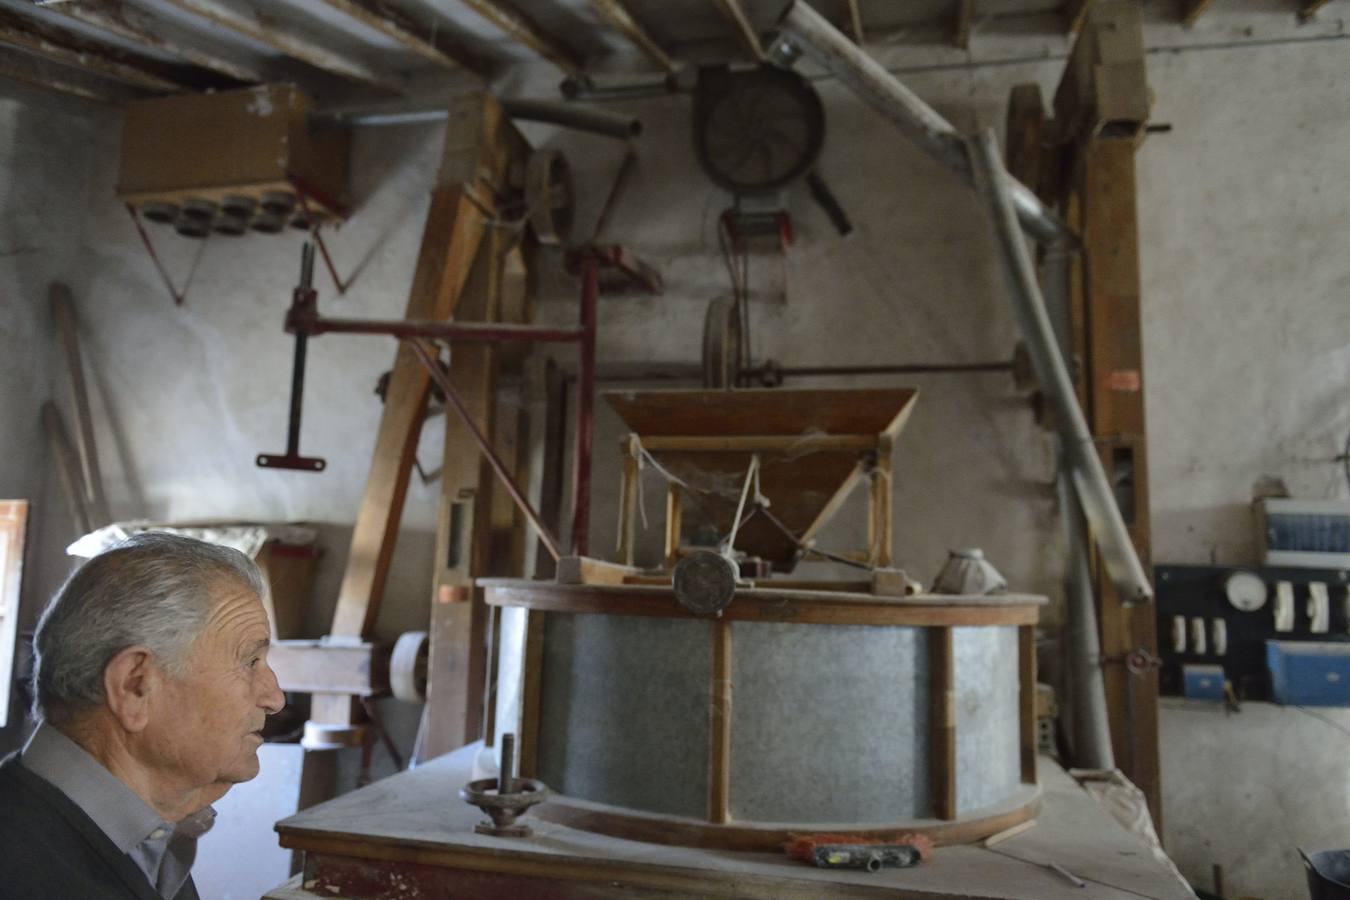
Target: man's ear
[{"x": 129, "y": 679}]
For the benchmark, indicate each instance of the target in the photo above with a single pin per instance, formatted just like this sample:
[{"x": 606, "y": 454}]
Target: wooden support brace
[
  {"x": 674, "y": 523},
  {"x": 630, "y": 449}
]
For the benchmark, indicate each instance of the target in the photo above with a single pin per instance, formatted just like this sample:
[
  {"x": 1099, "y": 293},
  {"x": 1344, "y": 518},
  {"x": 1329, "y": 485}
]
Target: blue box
[
  {"x": 1309, "y": 673},
  {"x": 1202, "y": 682}
]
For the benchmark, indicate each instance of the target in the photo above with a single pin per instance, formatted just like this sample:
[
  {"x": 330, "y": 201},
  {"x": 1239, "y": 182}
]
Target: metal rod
[
  {"x": 304, "y": 297},
  {"x": 581, "y": 459},
  {"x": 1099, "y": 504},
  {"x": 1087, "y": 686},
  {"x": 453, "y": 332},
  {"x": 568, "y": 115},
  {"x": 428, "y": 358},
  {"x": 809, "y": 31}
]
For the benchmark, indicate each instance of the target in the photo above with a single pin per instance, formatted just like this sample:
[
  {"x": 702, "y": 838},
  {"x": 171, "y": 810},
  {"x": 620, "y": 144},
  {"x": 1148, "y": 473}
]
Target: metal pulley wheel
[
  {"x": 721, "y": 344},
  {"x": 705, "y": 582},
  {"x": 549, "y": 197},
  {"x": 408, "y": 667}
]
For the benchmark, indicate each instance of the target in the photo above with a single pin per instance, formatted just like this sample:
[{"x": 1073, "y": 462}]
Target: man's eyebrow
[{"x": 250, "y": 649}]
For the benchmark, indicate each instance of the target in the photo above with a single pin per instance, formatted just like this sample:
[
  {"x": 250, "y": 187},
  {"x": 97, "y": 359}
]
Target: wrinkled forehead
[{"x": 236, "y": 612}]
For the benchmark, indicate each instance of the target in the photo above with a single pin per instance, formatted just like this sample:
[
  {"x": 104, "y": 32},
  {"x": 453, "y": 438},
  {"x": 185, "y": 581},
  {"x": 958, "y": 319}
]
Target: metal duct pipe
[
  {"x": 1086, "y": 683},
  {"x": 1098, "y": 503},
  {"x": 568, "y": 115},
  {"x": 807, "y": 30}
]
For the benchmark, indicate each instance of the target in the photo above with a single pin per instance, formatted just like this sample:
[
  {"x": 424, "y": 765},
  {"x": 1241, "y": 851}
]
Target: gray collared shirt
[{"x": 163, "y": 851}]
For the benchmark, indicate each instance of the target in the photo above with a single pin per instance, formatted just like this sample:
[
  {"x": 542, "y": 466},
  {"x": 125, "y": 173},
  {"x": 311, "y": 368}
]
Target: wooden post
[
  {"x": 942, "y": 722},
  {"x": 719, "y": 774},
  {"x": 1026, "y": 699},
  {"x": 629, "y": 449},
  {"x": 674, "y": 523},
  {"x": 530, "y": 694},
  {"x": 881, "y": 538}
]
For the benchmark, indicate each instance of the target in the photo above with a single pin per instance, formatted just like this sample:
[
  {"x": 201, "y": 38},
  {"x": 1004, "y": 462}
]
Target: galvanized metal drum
[{"x": 794, "y": 711}]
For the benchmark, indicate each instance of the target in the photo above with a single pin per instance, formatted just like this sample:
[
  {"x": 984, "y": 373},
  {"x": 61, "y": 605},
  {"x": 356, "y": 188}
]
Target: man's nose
[{"x": 271, "y": 698}]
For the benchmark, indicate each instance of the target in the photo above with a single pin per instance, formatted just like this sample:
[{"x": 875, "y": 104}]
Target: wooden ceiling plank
[
  {"x": 965, "y": 16},
  {"x": 855, "y": 20},
  {"x": 526, "y": 32},
  {"x": 735, "y": 14},
  {"x": 618, "y": 15},
  {"x": 289, "y": 44},
  {"x": 133, "y": 25},
  {"x": 1075, "y": 14},
  {"x": 394, "y": 25},
  {"x": 68, "y": 49},
  {"x": 39, "y": 74},
  {"x": 1192, "y": 10}
]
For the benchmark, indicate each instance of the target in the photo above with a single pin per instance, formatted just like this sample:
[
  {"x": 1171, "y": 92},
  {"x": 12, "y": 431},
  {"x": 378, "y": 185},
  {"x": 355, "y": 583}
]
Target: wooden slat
[
  {"x": 253, "y": 26},
  {"x": 585, "y": 570},
  {"x": 745, "y": 32},
  {"x": 521, "y": 28},
  {"x": 1026, "y": 700},
  {"x": 13, "y": 536},
  {"x": 69, "y": 49},
  {"x": 621, "y": 18},
  {"x": 1075, "y": 14},
  {"x": 942, "y": 723},
  {"x": 767, "y": 442},
  {"x": 24, "y": 68},
  {"x": 629, "y": 451},
  {"x": 132, "y": 24},
  {"x": 674, "y": 523},
  {"x": 880, "y": 545},
  {"x": 530, "y": 694},
  {"x": 760, "y": 605},
  {"x": 719, "y": 751}
]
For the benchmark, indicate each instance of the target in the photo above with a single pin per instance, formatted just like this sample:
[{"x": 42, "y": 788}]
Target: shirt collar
[{"x": 116, "y": 809}]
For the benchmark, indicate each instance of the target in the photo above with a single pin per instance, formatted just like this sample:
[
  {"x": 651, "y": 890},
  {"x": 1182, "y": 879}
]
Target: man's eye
[{"x": 253, "y": 663}]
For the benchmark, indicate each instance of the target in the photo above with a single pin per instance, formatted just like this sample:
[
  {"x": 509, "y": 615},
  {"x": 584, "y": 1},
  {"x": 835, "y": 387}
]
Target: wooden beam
[
  {"x": 618, "y": 15},
  {"x": 1193, "y": 9},
  {"x": 522, "y": 29},
  {"x": 361, "y": 670},
  {"x": 855, "y": 21},
  {"x": 384, "y": 19},
  {"x": 965, "y": 16},
  {"x": 941, "y": 723},
  {"x": 253, "y": 26},
  {"x": 134, "y": 25},
  {"x": 719, "y": 751},
  {"x": 66, "y": 48},
  {"x": 745, "y": 32}
]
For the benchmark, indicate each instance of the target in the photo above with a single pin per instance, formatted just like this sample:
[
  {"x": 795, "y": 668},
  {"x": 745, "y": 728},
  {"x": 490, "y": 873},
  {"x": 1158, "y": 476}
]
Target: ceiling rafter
[
  {"x": 393, "y": 24},
  {"x": 525, "y": 31},
  {"x": 618, "y": 15},
  {"x": 39, "y": 73},
  {"x": 735, "y": 14},
  {"x": 133, "y": 25},
  {"x": 64, "y": 47},
  {"x": 252, "y": 26}
]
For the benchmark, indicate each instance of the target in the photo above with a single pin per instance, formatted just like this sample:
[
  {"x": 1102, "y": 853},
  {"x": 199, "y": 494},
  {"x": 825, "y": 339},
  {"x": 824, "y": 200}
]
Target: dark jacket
[{"x": 51, "y": 850}]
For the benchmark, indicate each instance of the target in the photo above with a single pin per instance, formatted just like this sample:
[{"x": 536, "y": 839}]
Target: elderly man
[{"x": 152, "y": 686}]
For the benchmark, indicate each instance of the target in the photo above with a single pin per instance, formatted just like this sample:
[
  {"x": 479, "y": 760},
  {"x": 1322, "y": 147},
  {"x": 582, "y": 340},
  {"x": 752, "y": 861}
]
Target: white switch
[
  {"x": 1198, "y": 636},
  {"x": 1319, "y": 608},
  {"x": 1284, "y": 606},
  {"x": 1218, "y": 636},
  {"x": 1179, "y": 634}
]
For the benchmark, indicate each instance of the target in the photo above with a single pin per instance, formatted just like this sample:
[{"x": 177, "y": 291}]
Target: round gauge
[{"x": 1245, "y": 590}]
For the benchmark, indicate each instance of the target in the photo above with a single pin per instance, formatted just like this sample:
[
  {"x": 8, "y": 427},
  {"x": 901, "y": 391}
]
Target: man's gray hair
[{"x": 153, "y": 589}]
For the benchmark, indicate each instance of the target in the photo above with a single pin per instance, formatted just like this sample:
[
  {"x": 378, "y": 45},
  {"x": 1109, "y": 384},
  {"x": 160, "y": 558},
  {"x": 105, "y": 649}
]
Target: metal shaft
[
  {"x": 831, "y": 48},
  {"x": 1099, "y": 504}
]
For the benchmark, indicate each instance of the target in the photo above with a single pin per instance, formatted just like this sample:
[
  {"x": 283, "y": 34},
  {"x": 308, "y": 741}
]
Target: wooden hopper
[{"x": 813, "y": 445}]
